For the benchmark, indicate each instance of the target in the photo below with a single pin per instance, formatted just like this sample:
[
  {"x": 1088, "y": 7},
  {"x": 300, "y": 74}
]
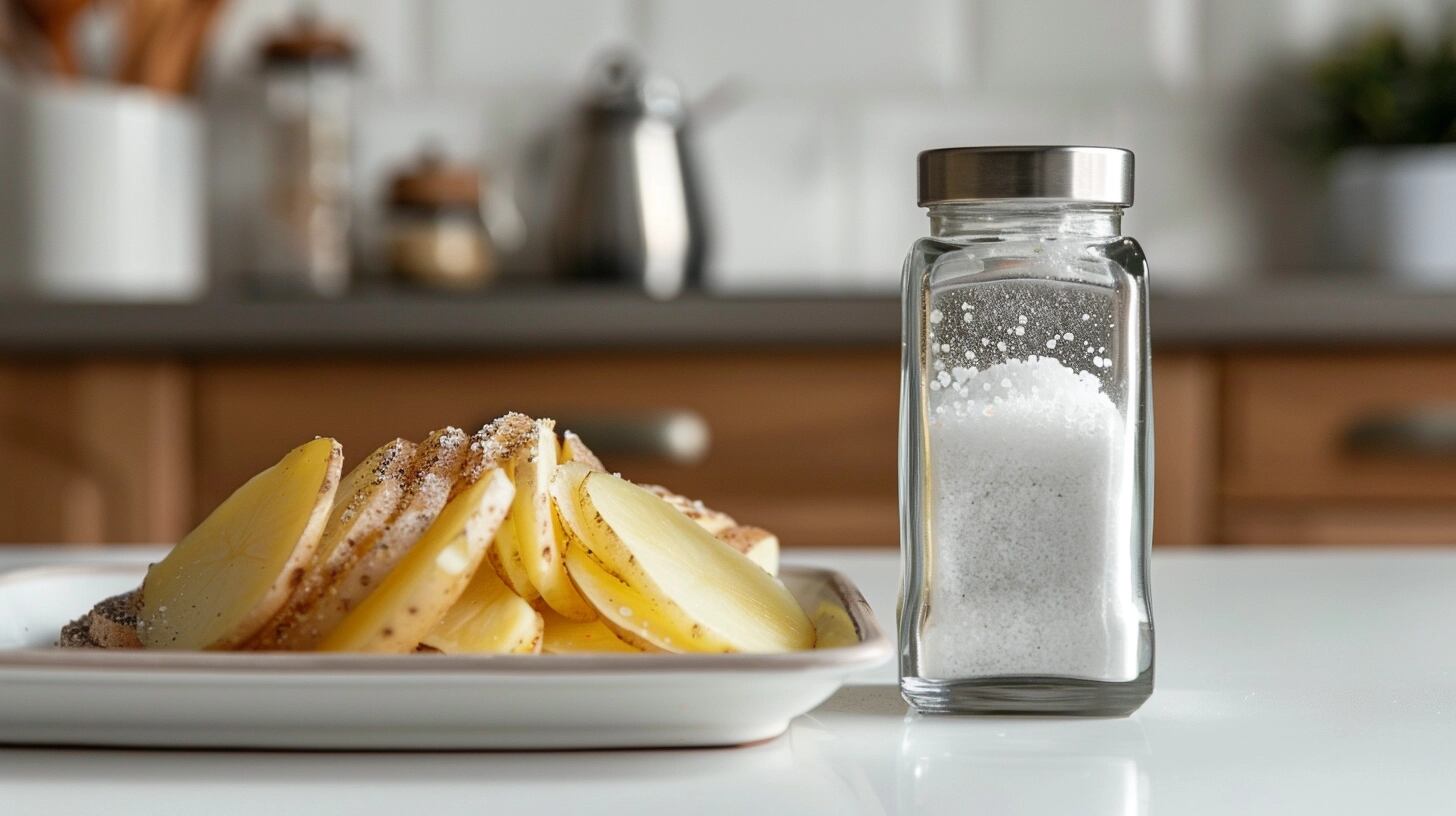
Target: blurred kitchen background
[{"x": 678, "y": 227}]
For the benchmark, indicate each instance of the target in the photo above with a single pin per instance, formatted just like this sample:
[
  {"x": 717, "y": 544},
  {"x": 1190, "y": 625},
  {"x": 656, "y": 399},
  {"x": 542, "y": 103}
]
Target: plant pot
[
  {"x": 1394, "y": 212},
  {"x": 102, "y": 190}
]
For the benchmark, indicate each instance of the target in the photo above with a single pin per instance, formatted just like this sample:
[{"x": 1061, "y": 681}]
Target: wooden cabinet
[
  {"x": 1252, "y": 447},
  {"x": 96, "y": 451},
  {"x": 1185, "y": 449},
  {"x": 1341, "y": 448},
  {"x": 802, "y": 442}
]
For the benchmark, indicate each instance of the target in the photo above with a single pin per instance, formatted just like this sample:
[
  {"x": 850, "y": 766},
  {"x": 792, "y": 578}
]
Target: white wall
[{"x": 811, "y": 177}]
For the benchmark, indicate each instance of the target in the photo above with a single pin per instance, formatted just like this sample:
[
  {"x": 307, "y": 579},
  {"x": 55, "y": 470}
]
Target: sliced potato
[
  {"x": 714, "y": 521},
  {"x": 497, "y": 445},
  {"x": 226, "y": 578},
  {"x": 539, "y": 537},
  {"x": 678, "y": 567},
  {"x": 761, "y": 546},
  {"x": 504, "y": 555},
  {"x": 433, "y": 472},
  {"x": 487, "y": 619},
  {"x": 431, "y": 577},
  {"x": 575, "y": 450},
  {"x": 576, "y": 526},
  {"x": 365, "y": 500},
  {"x": 646, "y": 623},
  {"x": 564, "y": 636},
  {"x": 509, "y": 440}
]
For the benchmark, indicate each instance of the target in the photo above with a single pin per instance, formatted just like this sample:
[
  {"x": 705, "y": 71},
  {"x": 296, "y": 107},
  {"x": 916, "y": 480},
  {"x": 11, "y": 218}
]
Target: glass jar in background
[
  {"x": 1026, "y": 447},
  {"x": 436, "y": 235},
  {"x": 304, "y": 231}
]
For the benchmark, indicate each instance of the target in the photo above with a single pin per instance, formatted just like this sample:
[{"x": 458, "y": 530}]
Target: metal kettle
[{"x": 626, "y": 205}]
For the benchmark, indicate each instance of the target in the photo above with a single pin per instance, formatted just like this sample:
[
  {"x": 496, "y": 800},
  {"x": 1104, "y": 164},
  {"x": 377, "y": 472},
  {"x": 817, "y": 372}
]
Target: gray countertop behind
[{"x": 1287, "y": 315}]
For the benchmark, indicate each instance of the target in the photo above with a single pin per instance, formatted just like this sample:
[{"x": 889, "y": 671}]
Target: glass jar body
[
  {"x": 1025, "y": 463},
  {"x": 304, "y": 242}
]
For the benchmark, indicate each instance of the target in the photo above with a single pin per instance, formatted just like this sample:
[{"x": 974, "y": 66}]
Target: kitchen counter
[
  {"x": 1287, "y": 314},
  {"x": 1308, "y": 682}
]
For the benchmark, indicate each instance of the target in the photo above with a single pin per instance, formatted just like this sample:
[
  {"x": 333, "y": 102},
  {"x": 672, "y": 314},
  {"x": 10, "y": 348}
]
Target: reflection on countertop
[{"x": 1304, "y": 313}]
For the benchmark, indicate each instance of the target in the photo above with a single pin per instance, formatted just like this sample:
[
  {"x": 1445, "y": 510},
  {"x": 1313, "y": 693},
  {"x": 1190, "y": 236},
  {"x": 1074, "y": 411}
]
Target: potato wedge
[
  {"x": 539, "y": 537},
  {"x": 487, "y": 619},
  {"x": 226, "y": 578},
  {"x": 761, "y": 546},
  {"x": 575, "y": 450},
  {"x": 365, "y": 500},
  {"x": 563, "y": 636},
  {"x": 433, "y": 472},
  {"x": 431, "y": 577},
  {"x": 685, "y": 573}
]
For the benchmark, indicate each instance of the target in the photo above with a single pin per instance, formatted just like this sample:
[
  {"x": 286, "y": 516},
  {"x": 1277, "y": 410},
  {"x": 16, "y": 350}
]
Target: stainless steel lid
[{"x": 1095, "y": 175}]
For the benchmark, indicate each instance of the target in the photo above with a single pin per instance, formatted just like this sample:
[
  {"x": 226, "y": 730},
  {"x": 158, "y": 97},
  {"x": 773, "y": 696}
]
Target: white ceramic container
[
  {"x": 1395, "y": 213},
  {"x": 101, "y": 194}
]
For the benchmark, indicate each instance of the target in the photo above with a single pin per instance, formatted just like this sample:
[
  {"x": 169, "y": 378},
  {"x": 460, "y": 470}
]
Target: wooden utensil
[
  {"x": 165, "y": 39},
  {"x": 57, "y": 21}
]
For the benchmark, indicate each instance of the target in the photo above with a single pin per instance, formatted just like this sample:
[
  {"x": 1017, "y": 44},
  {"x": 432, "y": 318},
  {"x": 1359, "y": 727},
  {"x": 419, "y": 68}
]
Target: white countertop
[{"x": 1287, "y": 682}]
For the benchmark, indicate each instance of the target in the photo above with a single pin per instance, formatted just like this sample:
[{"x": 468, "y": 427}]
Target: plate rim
[{"x": 870, "y": 651}]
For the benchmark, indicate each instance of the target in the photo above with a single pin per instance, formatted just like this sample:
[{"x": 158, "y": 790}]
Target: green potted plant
[{"x": 1385, "y": 115}]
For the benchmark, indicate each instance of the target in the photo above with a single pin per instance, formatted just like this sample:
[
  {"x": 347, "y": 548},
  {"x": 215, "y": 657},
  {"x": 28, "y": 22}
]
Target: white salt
[{"x": 1030, "y": 567}]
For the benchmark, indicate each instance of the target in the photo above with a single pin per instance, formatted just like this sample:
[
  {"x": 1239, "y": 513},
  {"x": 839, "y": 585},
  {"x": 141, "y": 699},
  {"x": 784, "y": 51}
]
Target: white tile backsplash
[
  {"x": 505, "y": 44},
  {"x": 778, "y": 196},
  {"x": 849, "y": 46},
  {"x": 1192, "y": 212},
  {"x": 810, "y": 180},
  {"x": 1064, "y": 46}
]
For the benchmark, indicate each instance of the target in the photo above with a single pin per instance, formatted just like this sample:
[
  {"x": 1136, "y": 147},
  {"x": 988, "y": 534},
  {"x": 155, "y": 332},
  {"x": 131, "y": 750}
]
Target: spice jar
[
  {"x": 308, "y": 86},
  {"x": 436, "y": 235},
  {"x": 1025, "y": 449}
]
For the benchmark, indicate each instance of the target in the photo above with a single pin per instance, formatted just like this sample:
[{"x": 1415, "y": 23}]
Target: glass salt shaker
[{"x": 1026, "y": 446}]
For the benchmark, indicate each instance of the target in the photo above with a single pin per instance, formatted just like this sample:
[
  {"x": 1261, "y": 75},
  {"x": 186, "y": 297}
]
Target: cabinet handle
[
  {"x": 680, "y": 436},
  {"x": 1425, "y": 432}
]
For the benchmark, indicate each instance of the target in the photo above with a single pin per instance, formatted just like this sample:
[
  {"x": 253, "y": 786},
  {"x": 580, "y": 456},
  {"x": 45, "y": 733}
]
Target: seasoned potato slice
[
  {"x": 504, "y": 552},
  {"x": 497, "y": 445},
  {"x": 538, "y": 532},
  {"x": 431, "y": 577},
  {"x": 504, "y": 555},
  {"x": 226, "y": 578},
  {"x": 714, "y": 521},
  {"x": 761, "y": 546},
  {"x": 563, "y": 636},
  {"x": 679, "y": 572},
  {"x": 487, "y": 619},
  {"x": 575, "y": 450},
  {"x": 433, "y": 473},
  {"x": 365, "y": 500}
]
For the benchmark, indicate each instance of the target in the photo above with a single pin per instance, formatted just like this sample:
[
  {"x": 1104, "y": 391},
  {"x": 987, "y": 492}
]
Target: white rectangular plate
[{"x": 324, "y": 701}]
